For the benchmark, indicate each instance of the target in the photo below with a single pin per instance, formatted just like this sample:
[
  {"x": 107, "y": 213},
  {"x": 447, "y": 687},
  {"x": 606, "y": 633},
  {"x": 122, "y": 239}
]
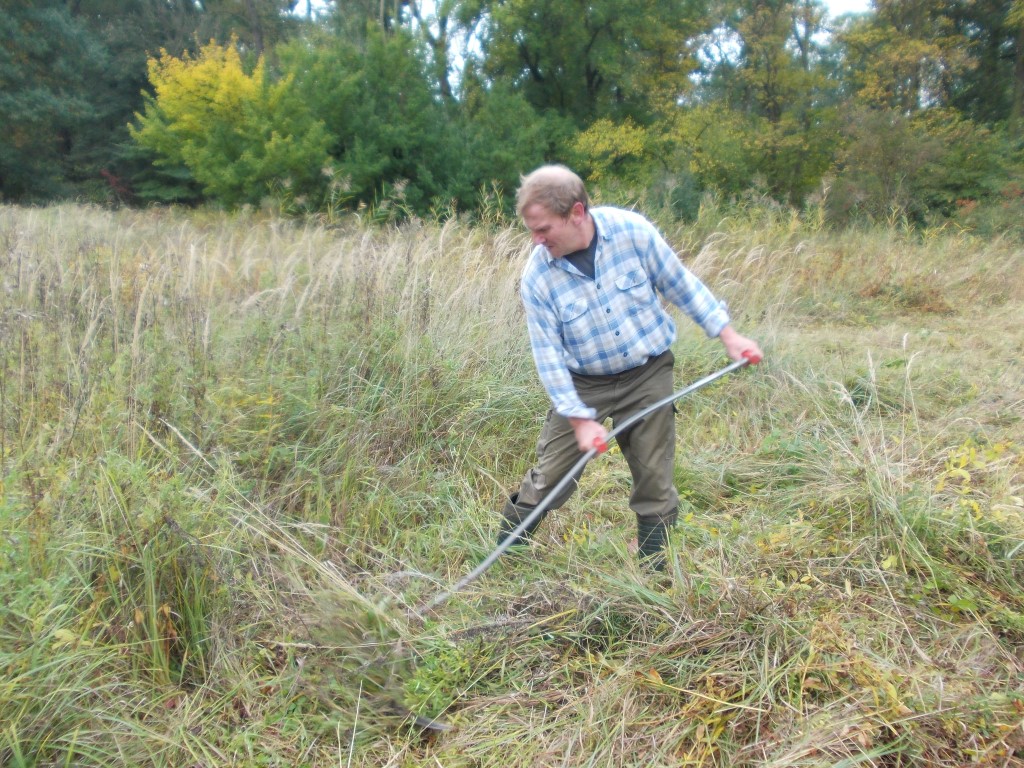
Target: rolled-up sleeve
[{"x": 683, "y": 288}]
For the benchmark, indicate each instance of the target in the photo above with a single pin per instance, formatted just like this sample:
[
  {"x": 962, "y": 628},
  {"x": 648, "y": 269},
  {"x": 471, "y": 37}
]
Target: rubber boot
[
  {"x": 651, "y": 537},
  {"x": 512, "y": 515}
]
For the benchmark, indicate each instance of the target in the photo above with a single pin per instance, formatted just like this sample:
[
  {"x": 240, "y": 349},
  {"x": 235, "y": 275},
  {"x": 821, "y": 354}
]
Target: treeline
[{"x": 913, "y": 110}]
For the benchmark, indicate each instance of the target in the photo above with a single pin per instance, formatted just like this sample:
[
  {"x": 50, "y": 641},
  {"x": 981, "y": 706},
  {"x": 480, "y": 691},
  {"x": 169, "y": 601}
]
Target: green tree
[
  {"x": 49, "y": 64},
  {"x": 768, "y": 78},
  {"x": 386, "y": 128},
  {"x": 587, "y": 60},
  {"x": 919, "y": 166},
  {"x": 992, "y": 90},
  {"x": 102, "y": 159},
  {"x": 257, "y": 25},
  {"x": 908, "y": 55},
  {"x": 926, "y": 76},
  {"x": 238, "y": 134},
  {"x": 494, "y": 137},
  {"x": 72, "y": 73},
  {"x": 431, "y": 22},
  {"x": 354, "y": 17},
  {"x": 715, "y": 144}
]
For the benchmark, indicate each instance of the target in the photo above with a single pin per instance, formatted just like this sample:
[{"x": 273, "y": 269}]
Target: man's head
[
  {"x": 554, "y": 187},
  {"x": 554, "y": 206}
]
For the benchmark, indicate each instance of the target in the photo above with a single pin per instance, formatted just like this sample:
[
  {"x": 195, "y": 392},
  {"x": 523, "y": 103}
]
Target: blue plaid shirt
[{"x": 615, "y": 321}]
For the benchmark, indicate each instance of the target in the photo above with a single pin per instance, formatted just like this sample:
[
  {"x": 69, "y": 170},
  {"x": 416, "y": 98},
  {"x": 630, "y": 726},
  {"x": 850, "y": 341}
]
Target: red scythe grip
[
  {"x": 753, "y": 357},
  {"x": 600, "y": 445}
]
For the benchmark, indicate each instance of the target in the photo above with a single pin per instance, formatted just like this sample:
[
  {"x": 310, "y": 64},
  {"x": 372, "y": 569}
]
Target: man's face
[{"x": 560, "y": 236}]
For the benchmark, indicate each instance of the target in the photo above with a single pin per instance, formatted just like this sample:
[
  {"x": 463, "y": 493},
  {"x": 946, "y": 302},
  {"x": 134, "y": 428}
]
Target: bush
[
  {"x": 239, "y": 135},
  {"x": 385, "y": 128},
  {"x": 918, "y": 167}
]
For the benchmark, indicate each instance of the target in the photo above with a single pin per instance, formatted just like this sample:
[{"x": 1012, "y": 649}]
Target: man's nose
[{"x": 538, "y": 239}]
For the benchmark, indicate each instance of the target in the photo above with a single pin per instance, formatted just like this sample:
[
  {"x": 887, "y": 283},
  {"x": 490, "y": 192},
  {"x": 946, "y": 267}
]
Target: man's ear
[{"x": 578, "y": 211}]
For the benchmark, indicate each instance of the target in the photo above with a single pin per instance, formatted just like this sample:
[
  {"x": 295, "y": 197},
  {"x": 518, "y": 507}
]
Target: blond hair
[{"x": 553, "y": 187}]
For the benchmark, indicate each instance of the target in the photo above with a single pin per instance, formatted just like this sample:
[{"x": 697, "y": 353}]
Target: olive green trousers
[{"x": 648, "y": 447}]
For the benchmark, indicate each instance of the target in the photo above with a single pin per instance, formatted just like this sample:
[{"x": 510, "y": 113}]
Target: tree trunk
[
  {"x": 256, "y": 25},
  {"x": 1017, "y": 105}
]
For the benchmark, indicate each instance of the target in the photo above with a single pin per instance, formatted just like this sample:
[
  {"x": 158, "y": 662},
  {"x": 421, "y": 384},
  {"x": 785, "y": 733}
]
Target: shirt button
[
  {"x": 608, "y": 311},
  {"x": 616, "y": 333}
]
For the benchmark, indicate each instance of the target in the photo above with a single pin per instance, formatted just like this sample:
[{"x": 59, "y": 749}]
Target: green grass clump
[{"x": 239, "y": 455}]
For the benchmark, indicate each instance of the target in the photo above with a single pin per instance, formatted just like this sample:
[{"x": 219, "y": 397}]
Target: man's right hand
[{"x": 589, "y": 433}]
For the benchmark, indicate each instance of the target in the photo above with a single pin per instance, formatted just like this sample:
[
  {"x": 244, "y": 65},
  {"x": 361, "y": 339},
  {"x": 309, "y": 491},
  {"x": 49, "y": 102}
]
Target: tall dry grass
[{"x": 238, "y": 453}]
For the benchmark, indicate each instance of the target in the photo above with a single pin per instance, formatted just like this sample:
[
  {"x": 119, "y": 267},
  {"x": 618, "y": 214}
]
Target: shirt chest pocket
[
  {"x": 573, "y": 311},
  {"x": 635, "y": 290}
]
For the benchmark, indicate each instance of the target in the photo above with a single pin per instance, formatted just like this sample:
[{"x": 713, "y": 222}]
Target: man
[{"x": 601, "y": 341}]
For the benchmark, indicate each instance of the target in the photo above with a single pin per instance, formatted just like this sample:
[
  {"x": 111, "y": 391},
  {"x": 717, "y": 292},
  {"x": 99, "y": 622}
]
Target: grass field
[{"x": 239, "y": 452}]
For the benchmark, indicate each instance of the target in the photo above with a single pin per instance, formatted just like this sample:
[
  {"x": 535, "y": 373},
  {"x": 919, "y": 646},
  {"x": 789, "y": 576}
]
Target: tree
[
  {"x": 48, "y": 66},
  {"x": 587, "y": 60},
  {"x": 428, "y": 21},
  {"x": 239, "y": 135},
  {"x": 72, "y": 74},
  {"x": 767, "y": 77},
  {"x": 435, "y": 29},
  {"x": 907, "y": 56},
  {"x": 101, "y": 160},
  {"x": 992, "y": 90},
  {"x": 495, "y": 136},
  {"x": 919, "y": 166},
  {"x": 256, "y": 25},
  {"x": 386, "y": 128},
  {"x": 621, "y": 151},
  {"x": 354, "y": 17}
]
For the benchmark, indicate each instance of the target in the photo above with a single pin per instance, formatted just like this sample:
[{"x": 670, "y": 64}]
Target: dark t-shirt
[{"x": 583, "y": 260}]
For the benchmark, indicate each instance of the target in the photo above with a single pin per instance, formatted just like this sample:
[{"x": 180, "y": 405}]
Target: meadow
[{"x": 238, "y": 453}]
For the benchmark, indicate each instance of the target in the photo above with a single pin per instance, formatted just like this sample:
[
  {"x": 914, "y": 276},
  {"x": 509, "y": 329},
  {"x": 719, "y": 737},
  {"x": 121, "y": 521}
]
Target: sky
[{"x": 837, "y": 7}]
